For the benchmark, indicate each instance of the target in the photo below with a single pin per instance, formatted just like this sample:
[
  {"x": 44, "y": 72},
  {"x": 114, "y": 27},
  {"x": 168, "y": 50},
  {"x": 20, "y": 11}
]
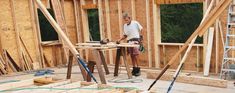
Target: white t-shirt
[{"x": 132, "y": 30}]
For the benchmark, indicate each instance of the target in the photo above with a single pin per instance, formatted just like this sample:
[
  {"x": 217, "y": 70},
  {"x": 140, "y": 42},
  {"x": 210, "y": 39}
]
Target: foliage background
[{"x": 179, "y": 21}]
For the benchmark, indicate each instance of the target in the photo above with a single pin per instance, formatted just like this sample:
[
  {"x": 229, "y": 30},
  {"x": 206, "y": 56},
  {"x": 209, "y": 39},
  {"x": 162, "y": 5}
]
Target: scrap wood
[
  {"x": 192, "y": 79},
  {"x": 47, "y": 62},
  {"x": 44, "y": 80},
  {"x": 27, "y": 65},
  {"x": 2, "y": 66},
  {"x": 27, "y": 52},
  {"x": 12, "y": 62}
]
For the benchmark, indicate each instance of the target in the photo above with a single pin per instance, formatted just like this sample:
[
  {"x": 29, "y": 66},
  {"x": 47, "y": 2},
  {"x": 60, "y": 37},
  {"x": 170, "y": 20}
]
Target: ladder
[{"x": 229, "y": 46}]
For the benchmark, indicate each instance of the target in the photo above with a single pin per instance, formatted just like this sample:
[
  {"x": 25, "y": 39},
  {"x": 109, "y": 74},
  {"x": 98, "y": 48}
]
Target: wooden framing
[
  {"x": 90, "y": 6},
  {"x": 177, "y": 1},
  {"x": 157, "y": 32},
  {"x": 133, "y": 9},
  {"x": 101, "y": 21},
  {"x": 119, "y": 2},
  {"x": 111, "y": 25},
  {"x": 107, "y": 12},
  {"x": 148, "y": 34},
  {"x": 35, "y": 31}
]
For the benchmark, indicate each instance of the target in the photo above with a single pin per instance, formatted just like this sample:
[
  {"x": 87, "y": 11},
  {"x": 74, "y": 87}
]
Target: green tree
[{"x": 179, "y": 21}]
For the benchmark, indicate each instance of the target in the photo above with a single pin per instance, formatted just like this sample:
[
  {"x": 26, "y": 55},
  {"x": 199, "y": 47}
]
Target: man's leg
[
  {"x": 134, "y": 60},
  {"x": 136, "y": 68}
]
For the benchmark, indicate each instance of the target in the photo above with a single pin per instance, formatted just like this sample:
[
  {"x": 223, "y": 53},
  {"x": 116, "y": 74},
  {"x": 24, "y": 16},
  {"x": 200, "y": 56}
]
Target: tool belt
[
  {"x": 134, "y": 39},
  {"x": 141, "y": 47}
]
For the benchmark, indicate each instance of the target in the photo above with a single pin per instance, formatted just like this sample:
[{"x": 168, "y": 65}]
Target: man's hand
[{"x": 118, "y": 42}]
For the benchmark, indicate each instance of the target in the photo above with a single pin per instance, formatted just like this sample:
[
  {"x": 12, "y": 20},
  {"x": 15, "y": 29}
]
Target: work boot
[
  {"x": 134, "y": 70},
  {"x": 137, "y": 71}
]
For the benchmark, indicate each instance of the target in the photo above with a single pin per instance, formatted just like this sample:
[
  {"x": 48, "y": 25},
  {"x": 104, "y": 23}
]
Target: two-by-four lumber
[
  {"x": 148, "y": 34},
  {"x": 90, "y": 6},
  {"x": 177, "y": 1},
  {"x": 108, "y": 27},
  {"x": 157, "y": 32},
  {"x": 209, "y": 52},
  {"x": 37, "y": 34}
]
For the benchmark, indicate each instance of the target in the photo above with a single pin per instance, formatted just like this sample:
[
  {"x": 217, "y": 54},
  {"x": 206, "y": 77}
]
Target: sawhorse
[{"x": 121, "y": 51}]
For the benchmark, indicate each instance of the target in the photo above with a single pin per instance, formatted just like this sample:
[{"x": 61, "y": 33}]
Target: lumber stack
[{"x": 8, "y": 65}]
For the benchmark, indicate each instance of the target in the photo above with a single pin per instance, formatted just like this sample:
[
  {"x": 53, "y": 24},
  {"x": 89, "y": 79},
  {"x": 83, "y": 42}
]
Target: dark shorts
[{"x": 133, "y": 50}]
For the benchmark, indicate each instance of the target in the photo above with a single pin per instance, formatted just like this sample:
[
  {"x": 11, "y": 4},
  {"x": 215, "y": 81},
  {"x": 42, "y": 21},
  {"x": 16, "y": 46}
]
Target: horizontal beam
[
  {"x": 90, "y": 6},
  {"x": 177, "y": 1}
]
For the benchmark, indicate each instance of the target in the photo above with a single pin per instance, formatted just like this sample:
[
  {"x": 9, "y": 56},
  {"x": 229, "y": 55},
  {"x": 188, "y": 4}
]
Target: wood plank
[
  {"x": 26, "y": 50},
  {"x": 157, "y": 33},
  {"x": 221, "y": 33},
  {"x": 149, "y": 48},
  {"x": 133, "y": 11},
  {"x": 84, "y": 18},
  {"x": 101, "y": 53},
  {"x": 37, "y": 34},
  {"x": 98, "y": 65},
  {"x": 60, "y": 19},
  {"x": 217, "y": 46},
  {"x": 77, "y": 21},
  {"x": 10, "y": 59},
  {"x": 208, "y": 52},
  {"x": 101, "y": 20},
  {"x": 123, "y": 52},
  {"x": 183, "y": 78},
  {"x": 177, "y": 1},
  {"x": 85, "y": 27},
  {"x": 108, "y": 27},
  {"x": 35, "y": 31},
  {"x": 90, "y": 6},
  {"x": 17, "y": 84},
  {"x": 59, "y": 84},
  {"x": 70, "y": 64},
  {"x": 119, "y": 3}
]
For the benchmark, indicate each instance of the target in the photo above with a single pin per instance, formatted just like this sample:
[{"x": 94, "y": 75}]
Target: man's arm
[{"x": 123, "y": 37}]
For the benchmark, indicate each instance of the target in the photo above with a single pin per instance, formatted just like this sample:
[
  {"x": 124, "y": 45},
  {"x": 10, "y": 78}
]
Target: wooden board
[
  {"x": 89, "y": 6},
  {"x": 209, "y": 52},
  {"x": 177, "y": 1},
  {"x": 183, "y": 78},
  {"x": 19, "y": 83}
]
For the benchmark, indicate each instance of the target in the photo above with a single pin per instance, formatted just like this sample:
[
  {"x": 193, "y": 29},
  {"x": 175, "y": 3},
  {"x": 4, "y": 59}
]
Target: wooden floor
[{"x": 76, "y": 84}]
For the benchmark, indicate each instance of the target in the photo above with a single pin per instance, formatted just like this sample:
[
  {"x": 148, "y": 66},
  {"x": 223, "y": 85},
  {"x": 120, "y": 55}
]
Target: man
[{"x": 132, "y": 32}]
